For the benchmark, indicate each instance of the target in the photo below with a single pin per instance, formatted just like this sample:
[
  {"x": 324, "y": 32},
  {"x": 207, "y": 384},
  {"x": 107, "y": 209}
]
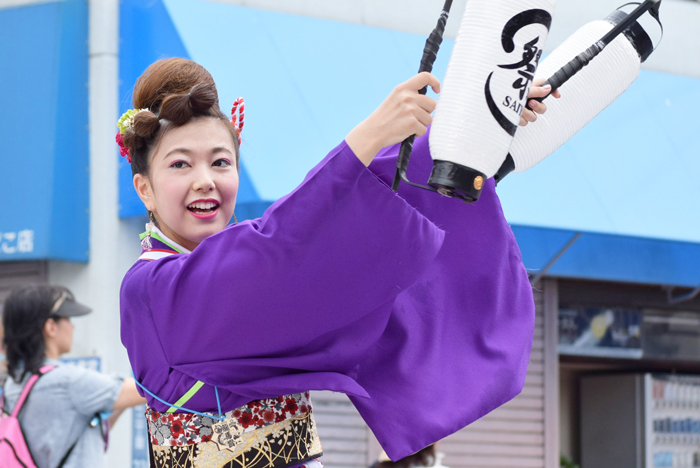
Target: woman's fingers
[
  {"x": 541, "y": 91},
  {"x": 422, "y": 80},
  {"x": 537, "y": 91},
  {"x": 424, "y": 118},
  {"x": 426, "y": 103},
  {"x": 403, "y": 113},
  {"x": 537, "y": 107},
  {"x": 538, "y": 82},
  {"x": 417, "y": 107},
  {"x": 528, "y": 116}
]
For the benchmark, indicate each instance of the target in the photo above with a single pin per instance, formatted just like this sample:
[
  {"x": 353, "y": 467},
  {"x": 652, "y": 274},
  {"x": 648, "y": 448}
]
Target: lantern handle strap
[{"x": 432, "y": 46}]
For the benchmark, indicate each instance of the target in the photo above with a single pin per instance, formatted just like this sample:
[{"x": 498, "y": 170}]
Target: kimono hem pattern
[{"x": 344, "y": 285}]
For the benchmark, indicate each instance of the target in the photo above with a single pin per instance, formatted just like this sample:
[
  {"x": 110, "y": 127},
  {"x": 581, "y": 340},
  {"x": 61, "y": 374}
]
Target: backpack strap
[
  {"x": 28, "y": 387},
  {"x": 70, "y": 450}
]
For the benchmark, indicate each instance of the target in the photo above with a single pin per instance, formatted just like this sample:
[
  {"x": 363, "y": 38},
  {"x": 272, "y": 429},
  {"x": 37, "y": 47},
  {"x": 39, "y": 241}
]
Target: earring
[
  {"x": 235, "y": 221},
  {"x": 146, "y": 244}
]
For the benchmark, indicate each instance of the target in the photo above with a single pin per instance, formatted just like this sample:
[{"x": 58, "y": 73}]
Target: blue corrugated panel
[
  {"x": 610, "y": 257},
  {"x": 44, "y": 181}
]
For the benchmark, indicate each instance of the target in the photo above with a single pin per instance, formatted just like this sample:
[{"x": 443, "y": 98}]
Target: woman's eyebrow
[
  {"x": 185, "y": 151},
  {"x": 220, "y": 149},
  {"x": 189, "y": 152}
]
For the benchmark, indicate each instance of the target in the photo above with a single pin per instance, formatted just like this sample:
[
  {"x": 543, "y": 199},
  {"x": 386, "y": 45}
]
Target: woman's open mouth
[{"x": 204, "y": 209}]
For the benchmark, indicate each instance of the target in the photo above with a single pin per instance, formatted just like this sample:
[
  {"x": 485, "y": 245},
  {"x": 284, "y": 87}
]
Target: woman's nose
[{"x": 203, "y": 181}]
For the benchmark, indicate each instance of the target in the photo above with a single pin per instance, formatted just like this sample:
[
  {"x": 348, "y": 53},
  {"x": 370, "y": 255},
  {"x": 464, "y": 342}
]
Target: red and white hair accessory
[{"x": 238, "y": 117}]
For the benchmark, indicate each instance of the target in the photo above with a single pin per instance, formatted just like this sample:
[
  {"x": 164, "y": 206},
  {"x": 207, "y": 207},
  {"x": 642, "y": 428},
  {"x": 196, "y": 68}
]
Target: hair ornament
[
  {"x": 123, "y": 149},
  {"x": 126, "y": 122},
  {"x": 238, "y": 117}
]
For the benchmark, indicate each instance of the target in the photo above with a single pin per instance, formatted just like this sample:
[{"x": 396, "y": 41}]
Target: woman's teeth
[{"x": 202, "y": 207}]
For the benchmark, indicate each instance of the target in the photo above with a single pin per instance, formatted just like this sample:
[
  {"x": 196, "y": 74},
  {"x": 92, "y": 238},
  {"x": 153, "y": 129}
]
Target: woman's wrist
[{"x": 363, "y": 143}]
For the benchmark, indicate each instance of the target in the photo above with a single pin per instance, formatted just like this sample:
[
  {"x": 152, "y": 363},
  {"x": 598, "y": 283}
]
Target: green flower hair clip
[{"x": 126, "y": 121}]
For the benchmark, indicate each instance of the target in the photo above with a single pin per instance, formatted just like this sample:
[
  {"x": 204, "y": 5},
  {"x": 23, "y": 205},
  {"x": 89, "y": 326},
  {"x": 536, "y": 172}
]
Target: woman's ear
[
  {"x": 50, "y": 327},
  {"x": 143, "y": 188}
]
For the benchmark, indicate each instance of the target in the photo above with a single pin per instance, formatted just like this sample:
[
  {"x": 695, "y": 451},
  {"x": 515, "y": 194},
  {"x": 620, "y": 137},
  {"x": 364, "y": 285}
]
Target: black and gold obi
[{"x": 274, "y": 433}]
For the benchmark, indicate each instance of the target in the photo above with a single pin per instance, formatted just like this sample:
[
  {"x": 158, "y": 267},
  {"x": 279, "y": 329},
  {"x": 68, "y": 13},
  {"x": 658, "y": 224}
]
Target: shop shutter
[
  {"x": 347, "y": 441},
  {"x": 513, "y": 435},
  {"x": 15, "y": 274}
]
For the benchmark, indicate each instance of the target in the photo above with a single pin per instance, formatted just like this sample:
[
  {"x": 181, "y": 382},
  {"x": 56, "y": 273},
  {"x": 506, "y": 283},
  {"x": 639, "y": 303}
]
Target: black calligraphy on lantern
[
  {"x": 527, "y": 66},
  {"x": 523, "y": 70}
]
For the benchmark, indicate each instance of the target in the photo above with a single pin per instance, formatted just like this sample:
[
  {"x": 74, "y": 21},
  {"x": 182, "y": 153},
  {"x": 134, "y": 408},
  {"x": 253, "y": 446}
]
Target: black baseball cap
[{"x": 66, "y": 306}]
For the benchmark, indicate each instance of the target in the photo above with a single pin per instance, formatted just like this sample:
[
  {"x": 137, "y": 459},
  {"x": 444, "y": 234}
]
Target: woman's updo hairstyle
[{"x": 174, "y": 91}]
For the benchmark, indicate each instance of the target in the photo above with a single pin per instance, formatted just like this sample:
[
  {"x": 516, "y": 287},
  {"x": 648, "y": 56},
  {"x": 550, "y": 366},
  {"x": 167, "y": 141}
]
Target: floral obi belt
[{"x": 274, "y": 433}]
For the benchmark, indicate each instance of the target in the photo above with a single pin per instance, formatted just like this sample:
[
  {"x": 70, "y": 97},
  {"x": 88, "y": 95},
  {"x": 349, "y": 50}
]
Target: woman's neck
[
  {"x": 171, "y": 240},
  {"x": 51, "y": 352}
]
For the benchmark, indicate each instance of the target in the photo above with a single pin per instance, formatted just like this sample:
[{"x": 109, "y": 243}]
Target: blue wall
[{"x": 44, "y": 181}]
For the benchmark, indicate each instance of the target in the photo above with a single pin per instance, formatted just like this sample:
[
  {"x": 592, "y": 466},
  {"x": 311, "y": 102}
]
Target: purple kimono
[{"x": 416, "y": 306}]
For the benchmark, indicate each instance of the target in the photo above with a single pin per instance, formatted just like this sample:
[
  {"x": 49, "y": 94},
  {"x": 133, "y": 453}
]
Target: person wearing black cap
[{"x": 58, "y": 417}]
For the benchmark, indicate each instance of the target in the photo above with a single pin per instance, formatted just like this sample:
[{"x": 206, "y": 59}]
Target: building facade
[{"x": 606, "y": 225}]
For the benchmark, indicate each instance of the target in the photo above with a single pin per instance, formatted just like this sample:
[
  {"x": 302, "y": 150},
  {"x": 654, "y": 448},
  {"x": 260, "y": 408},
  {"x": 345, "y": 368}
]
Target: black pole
[
  {"x": 563, "y": 75},
  {"x": 432, "y": 46}
]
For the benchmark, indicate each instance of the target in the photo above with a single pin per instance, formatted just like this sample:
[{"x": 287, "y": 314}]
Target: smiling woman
[
  {"x": 192, "y": 181},
  {"x": 342, "y": 285},
  {"x": 185, "y": 175}
]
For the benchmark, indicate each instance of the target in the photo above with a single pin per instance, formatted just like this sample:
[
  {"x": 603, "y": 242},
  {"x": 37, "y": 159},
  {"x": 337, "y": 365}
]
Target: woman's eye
[
  {"x": 222, "y": 163},
  {"x": 178, "y": 164}
]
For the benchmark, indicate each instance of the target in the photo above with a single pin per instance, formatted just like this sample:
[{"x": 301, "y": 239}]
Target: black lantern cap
[
  {"x": 455, "y": 180},
  {"x": 635, "y": 33}
]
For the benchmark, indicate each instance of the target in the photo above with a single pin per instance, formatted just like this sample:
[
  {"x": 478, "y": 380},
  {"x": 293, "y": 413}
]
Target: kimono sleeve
[
  {"x": 277, "y": 295},
  {"x": 458, "y": 342}
]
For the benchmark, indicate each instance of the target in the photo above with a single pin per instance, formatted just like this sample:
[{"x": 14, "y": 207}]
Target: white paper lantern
[
  {"x": 485, "y": 90},
  {"x": 585, "y": 94}
]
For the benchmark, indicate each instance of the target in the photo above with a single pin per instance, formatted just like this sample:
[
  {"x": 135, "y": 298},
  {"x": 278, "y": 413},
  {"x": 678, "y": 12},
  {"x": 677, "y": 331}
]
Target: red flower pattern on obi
[
  {"x": 269, "y": 416},
  {"x": 291, "y": 405},
  {"x": 246, "y": 419},
  {"x": 174, "y": 429}
]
